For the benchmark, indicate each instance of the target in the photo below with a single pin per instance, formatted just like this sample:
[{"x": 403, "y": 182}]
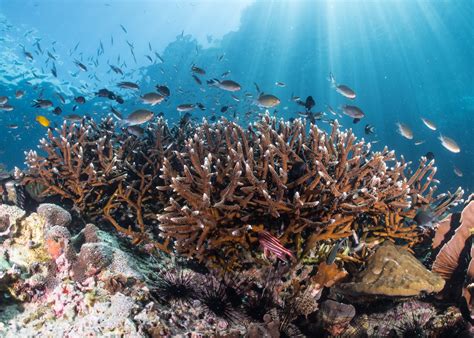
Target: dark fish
[
  {"x": 80, "y": 99},
  {"x": 355, "y": 120},
  {"x": 224, "y": 109},
  {"x": 80, "y": 65},
  {"x": 124, "y": 29},
  {"x": 163, "y": 90},
  {"x": 105, "y": 93},
  {"x": 57, "y": 110},
  {"x": 51, "y": 56},
  {"x": 430, "y": 156},
  {"x": 136, "y": 131},
  {"x": 54, "y": 71},
  {"x": 75, "y": 107},
  {"x": 369, "y": 129},
  {"x": 119, "y": 99},
  {"x": 116, "y": 69},
  {"x": 201, "y": 106},
  {"x": 198, "y": 80},
  {"x": 198, "y": 70},
  {"x": 159, "y": 57},
  {"x": 424, "y": 218}
]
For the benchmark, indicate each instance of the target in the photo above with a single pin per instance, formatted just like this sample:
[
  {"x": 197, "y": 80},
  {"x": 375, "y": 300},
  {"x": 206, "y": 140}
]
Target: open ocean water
[{"x": 405, "y": 60}]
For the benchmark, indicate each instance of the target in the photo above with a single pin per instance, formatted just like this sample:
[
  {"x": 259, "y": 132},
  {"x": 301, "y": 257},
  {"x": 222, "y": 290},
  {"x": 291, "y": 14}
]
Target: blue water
[{"x": 404, "y": 59}]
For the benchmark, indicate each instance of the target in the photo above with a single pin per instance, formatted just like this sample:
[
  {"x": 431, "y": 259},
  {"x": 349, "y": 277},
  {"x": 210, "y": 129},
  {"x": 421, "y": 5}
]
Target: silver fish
[
  {"x": 449, "y": 144},
  {"x": 138, "y": 117}
]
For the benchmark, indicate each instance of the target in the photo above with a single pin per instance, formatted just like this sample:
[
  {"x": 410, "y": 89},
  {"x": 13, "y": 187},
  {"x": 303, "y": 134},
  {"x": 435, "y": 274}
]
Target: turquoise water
[{"x": 404, "y": 59}]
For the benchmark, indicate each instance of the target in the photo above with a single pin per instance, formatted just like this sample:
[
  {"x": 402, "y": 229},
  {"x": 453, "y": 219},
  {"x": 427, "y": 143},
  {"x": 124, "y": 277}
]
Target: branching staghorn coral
[
  {"x": 216, "y": 192},
  {"x": 294, "y": 181},
  {"x": 105, "y": 172}
]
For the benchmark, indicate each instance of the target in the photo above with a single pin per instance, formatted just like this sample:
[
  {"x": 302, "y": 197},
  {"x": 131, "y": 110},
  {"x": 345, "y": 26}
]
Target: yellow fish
[{"x": 43, "y": 121}]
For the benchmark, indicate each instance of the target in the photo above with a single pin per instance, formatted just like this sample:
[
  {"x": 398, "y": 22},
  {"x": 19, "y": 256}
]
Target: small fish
[
  {"x": 42, "y": 103},
  {"x": 198, "y": 80},
  {"x": 369, "y": 129},
  {"x": 80, "y": 99},
  {"x": 352, "y": 111},
  {"x": 152, "y": 98},
  {"x": 116, "y": 113},
  {"x": 201, "y": 106},
  {"x": 57, "y": 111},
  {"x": 268, "y": 101},
  {"x": 149, "y": 58},
  {"x": 280, "y": 84},
  {"x": 80, "y": 65},
  {"x": 136, "y": 131},
  {"x": 138, "y": 117},
  {"x": 405, "y": 130},
  {"x": 449, "y": 144},
  {"x": 3, "y": 99},
  {"x": 342, "y": 89},
  {"x": 309, "y": 103},
  {"x": 163, "y": 90},
  {"x": 224, "y": 109},
  {"x": 198, "y": 70},
  {"x": 271, "y": 245},
  {"x": 13, "y": 126},
  {"x": 61, "y": 98},
  {"x": 225, "y": 73},
  {"x": 458, "y": 172},
  {"x": 417, "y": 143},
  {"x": 54, "y": 71},
  {"x": 424, "y": 218},
  {"x": 6, "y": 107},
  {"x": 124, "y": 29},
  {"x": 28, "y": 55},
  {"x": 430, "y": 156},
  {"x": 128, "y": 85},
  {"x": 185, "y": 107},
  {"x": 19, "y": 94},
  {"x": 235, "y": 98},
  {"x": 73, "y": 118},
  {"x": 227, "y": 85},
  {"x": 116, "y": 69},
  {"x": 51, "y": 56},
  {"x": 159, "y": 57},
  {"x": 331, "y": 110},
  {"x": 43, "y": 121},
  {"x": 429, "y": 124}
]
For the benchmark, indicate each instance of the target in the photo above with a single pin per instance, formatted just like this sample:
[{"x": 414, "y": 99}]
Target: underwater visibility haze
[{"x": 248, "y": 167}]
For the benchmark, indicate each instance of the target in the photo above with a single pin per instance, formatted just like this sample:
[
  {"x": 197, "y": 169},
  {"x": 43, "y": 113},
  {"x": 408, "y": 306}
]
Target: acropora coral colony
[{"x": 239, "y": 199}]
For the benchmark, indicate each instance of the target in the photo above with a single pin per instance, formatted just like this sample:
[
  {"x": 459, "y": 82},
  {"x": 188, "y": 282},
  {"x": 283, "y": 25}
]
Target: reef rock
[
  {"x": 336, "y": 316},
  {"x": 54, "y": 215},
  {"x": 13, "y": 212},
  {"x": 392, "y": 272}
]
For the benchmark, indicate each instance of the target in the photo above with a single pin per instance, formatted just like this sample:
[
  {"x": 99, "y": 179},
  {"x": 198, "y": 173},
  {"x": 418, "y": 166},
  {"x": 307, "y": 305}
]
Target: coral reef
[
  {"x": 215, "y": 194},
  {"x": 264, "y": 231}
]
